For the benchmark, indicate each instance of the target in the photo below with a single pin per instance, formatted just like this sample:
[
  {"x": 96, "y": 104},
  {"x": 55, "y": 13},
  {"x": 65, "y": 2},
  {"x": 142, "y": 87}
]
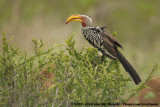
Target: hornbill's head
[{"x": 84, "y": 19}]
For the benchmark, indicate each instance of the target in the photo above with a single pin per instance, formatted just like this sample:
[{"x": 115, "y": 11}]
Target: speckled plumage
[{"x": 101, "y": 40}]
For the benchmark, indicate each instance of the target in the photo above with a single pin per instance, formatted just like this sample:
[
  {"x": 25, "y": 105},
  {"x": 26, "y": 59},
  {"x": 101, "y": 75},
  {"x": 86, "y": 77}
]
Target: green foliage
[
  {"x": 80, "y": 77},
  {"x": 150, "y": 95}
]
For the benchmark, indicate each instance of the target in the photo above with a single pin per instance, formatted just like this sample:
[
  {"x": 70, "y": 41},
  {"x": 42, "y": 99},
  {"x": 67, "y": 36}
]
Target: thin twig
[{"x": 55, "y": 97}]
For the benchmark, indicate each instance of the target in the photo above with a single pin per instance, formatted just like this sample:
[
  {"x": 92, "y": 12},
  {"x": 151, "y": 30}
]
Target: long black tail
[{"x": 128, "y": 67}]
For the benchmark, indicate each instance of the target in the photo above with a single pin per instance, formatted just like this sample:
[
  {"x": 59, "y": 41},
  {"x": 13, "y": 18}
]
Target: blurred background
[{"x": 136, "y": 22}]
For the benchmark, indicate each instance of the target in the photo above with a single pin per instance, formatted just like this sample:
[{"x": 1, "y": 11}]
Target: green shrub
[{"x": 80, "y": 77}]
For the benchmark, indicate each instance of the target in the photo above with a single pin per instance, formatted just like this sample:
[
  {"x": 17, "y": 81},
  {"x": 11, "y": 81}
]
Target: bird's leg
[
  {"x": 101, "y": 56},
  {"x": 98, "y": 57}
]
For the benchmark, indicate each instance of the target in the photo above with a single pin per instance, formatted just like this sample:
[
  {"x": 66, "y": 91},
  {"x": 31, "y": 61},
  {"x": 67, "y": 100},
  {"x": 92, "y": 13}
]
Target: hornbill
[{"x": 105, "y": 42}]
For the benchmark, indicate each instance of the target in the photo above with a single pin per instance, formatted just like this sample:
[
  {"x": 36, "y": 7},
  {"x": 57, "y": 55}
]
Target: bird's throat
[{"x": 84, "y": 24}]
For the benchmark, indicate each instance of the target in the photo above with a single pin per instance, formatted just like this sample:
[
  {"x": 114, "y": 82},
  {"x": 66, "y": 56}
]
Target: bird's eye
[{"x": 84, "y": 18}]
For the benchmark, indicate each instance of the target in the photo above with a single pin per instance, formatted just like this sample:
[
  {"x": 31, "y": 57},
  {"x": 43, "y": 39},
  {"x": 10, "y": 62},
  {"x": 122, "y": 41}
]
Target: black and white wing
[{"x": 104, "y": 45}]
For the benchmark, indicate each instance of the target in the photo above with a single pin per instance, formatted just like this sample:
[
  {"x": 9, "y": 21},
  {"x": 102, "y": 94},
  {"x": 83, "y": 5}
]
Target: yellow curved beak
[{"x": 77, "y": 18}]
